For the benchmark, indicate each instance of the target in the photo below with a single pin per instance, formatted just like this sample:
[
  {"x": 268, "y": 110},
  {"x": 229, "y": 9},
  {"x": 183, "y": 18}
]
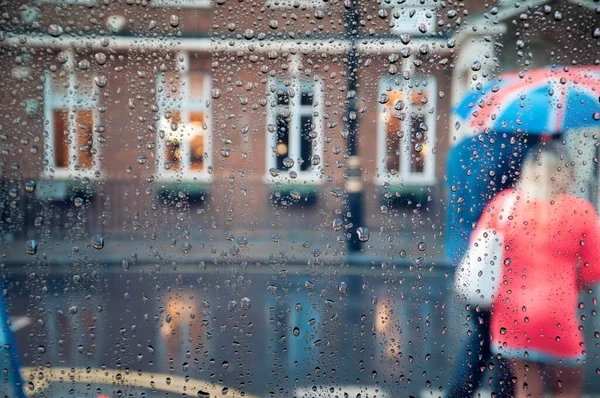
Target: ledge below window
[
  {"x": 405, "y": 195},
  {"x": 294, "y": 194},
  {"x": 171, "y": 192},
  {"x": 64, "y": 190}
]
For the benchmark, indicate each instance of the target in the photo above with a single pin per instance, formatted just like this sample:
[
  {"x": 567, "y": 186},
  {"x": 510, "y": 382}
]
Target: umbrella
[
  {"x": 542, "y": 101},
  {"x": 505, "y": 118}
]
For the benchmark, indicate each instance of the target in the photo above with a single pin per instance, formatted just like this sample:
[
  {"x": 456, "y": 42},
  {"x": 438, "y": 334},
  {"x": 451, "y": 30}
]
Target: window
[
  {"x": 406, "y": 131},
  {"x": 294, "y": 132},
  {"x": 184, "y": 142},
  {"x": 71, "y": 117}
]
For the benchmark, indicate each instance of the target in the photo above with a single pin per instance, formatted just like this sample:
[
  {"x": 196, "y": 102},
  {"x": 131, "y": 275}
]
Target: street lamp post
[{"x": 353, "y": 211}]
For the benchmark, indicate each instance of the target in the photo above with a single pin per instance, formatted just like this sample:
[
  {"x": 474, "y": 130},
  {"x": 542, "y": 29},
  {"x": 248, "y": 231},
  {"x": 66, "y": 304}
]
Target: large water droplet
[
  {"x": 288, "y": 162},
  {"x": 216, "y": 93},
  {"x": 363, "y": 234},
  {"x": 55, "y": 30},
  {"x": 30, "y": 186},
  {"x": 97, "y": 242},
  {"x": 246, "y": 303},
  {"x": 31, "y": 247}
]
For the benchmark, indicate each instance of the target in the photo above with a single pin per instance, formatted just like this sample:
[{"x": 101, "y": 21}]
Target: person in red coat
[{"x": 552, "y": 252}]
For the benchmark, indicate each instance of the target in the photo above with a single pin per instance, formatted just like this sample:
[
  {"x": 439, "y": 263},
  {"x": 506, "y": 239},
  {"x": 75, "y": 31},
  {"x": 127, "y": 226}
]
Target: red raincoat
[{"x": 552, "y": 251}]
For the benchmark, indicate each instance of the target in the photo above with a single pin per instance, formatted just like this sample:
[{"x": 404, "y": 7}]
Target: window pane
[
  {"x": 197, "y": 140},
  {"x": 307, "y": 98},
  {"x": 173, "y": 142},
  {"x": 418, "y": 135},
  {"x": 393, "y": 142},
  {"x": 306, "y": 148},
  {"x": 61, "y": 134},
  {"x": 196, "y": 90},
  {"x": 282, "y": 97},
  {"x": 283, "y": 137},
  {"x": 85, "y": 138}
]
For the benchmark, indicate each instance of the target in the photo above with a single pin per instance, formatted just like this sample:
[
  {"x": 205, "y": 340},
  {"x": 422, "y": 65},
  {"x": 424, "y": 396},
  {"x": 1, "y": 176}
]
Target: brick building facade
[{"x": 183, "y": 119}]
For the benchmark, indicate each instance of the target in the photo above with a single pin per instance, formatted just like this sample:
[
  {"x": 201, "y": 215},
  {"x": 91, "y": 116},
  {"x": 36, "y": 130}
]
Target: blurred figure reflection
[{"x": 552, "y": 250}]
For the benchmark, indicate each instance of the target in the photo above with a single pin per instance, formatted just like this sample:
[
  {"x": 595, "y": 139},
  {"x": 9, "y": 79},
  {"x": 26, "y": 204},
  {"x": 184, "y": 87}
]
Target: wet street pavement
[{"x": 240, "y": 330}]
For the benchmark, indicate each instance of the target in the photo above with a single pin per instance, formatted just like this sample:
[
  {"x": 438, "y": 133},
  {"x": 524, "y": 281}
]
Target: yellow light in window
[{"x": 282, "y": 149}]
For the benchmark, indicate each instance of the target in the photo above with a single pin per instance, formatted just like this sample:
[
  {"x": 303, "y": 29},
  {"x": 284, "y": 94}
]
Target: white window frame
[
  {"x": 184, "y": 105},
  {"x": 289, "y": 4},
  {"x": 407, "y": 24},
  {"x": 404, "y": 175},
  {"x": 314, "y": 175},
  {"x": 181, "y": 3},
  {"x": 72, "y": 102},
  {"x": 65, "y": 2}
]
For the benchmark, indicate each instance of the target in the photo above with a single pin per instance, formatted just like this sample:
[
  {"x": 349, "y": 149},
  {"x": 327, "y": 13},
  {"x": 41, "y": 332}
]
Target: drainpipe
[{"x": 353, "y": 206}]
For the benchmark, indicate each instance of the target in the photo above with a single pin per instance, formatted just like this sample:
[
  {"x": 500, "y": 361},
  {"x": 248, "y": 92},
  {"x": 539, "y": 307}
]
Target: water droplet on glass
[
  {"x": 288, "y": 162},
  {"x": 174, "y": 20},
  {"x": 216, "y": 93},
  {"x": 55, "y": 30},
  {"x": 383, "y": 99},
  {"x": 363, "y": 234},
  {"x": 476, "y": 66},
  {"x": 231, "y": 305},
  {"x": 31, "y": 247},
  {"x": 100, "y": 81},
  {"x": 100, "y": 58},
  {"x": 30, "y": 186},
  {"x": 343, "y": 288},
  {"x": 246, "y": 303},
  {"x": 97, "y": 242},
  {"x": 296, "y": 331}
]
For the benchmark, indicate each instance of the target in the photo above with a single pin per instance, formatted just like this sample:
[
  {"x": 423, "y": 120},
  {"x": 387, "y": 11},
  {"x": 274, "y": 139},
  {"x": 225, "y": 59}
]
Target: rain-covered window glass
[
  {"x": 184, "y": 134},
  {"x": 294, "y": 133},
  {"x": 72, "y": 122},
  {"x": 406, "y": 131},
  {"x": 299, "y": 198}
]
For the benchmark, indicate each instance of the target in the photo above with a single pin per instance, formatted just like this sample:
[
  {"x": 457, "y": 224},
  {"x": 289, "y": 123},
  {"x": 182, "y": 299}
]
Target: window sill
[
  {"x": 301, "y": 180},
  {"x": 60, "y": 189},
  {"x": 290, "y": 194},
  {"x": 406, "y": 194},
  {"x": 172, "y": 191},
  {"x": 185, "y": 178}
]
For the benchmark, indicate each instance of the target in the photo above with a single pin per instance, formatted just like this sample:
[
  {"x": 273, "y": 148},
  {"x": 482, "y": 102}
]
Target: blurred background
[{"x": 268, "y": 197}]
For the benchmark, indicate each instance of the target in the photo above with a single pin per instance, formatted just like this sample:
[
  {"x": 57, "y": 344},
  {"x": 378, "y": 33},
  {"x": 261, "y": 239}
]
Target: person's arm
[{"x": 590, "y": 246}]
